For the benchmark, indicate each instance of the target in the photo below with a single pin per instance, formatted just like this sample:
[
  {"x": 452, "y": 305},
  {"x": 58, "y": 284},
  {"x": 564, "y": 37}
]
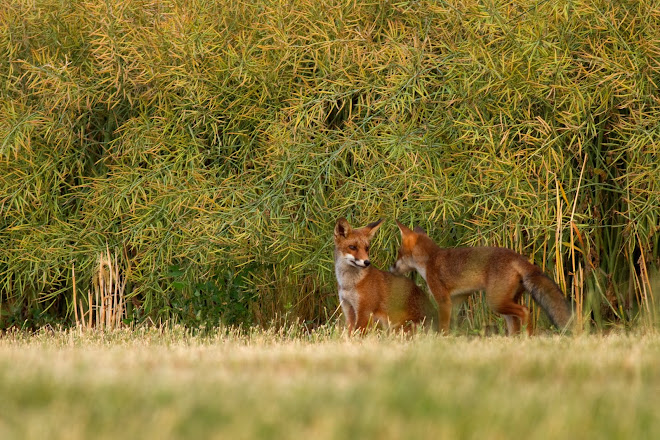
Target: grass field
[{"x": 173, "y": 384}]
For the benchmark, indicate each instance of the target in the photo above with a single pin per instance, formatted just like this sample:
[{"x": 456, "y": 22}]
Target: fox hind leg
[{"x": 516, "y": 315}]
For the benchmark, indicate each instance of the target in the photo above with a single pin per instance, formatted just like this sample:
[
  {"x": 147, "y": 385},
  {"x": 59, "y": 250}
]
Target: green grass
[{"x": 172, "y": 384}]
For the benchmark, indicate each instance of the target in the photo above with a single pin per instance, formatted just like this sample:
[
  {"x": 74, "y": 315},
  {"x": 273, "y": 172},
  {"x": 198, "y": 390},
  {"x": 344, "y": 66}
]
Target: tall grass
[{"x": 213, "y": 144}]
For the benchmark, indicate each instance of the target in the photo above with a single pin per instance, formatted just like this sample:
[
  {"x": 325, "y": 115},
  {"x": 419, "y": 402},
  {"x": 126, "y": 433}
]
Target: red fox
[
  {"x": 371, "y": 296},
  {"x": 453, "y": 274}
]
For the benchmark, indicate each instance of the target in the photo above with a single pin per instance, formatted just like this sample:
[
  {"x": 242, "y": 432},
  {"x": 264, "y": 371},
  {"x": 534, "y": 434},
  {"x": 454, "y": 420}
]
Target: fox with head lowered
[{"x": 452, "y": 274}]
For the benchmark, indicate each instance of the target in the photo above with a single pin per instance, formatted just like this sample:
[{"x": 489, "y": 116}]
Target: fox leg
[
  {"x": 444, "y": 312},
  {"x": 524, "y": 321},
  {"x": 515, "y": 315},
  {"x": 443, "y": 299},
  {"x": 365, "y": 319},
  {"x": 349, "y": 313},
  {"x": 512, "y": 324}
]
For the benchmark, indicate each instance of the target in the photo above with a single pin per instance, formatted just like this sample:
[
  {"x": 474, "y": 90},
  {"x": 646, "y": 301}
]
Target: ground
[{"x": 173, "y": 383}]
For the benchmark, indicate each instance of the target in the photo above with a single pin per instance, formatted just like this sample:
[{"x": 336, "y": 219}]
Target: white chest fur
[{"x": 348, "y": 276}]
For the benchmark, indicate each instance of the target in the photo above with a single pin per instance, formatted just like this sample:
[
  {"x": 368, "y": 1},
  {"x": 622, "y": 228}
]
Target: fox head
[
  {"x": 409, "y": 257},
  {"x": 352, "y": 245}
]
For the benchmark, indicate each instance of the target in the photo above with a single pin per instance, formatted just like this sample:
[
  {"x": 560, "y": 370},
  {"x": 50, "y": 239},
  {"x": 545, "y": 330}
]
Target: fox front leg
[{"x": 350, "y": 314}]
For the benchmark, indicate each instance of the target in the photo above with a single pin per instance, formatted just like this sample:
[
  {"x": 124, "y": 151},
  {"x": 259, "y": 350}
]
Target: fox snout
[
  {"x": 394, "y": 270},
  {"x": 400, "y": 268},
  {"x": 357, "y": 262}
]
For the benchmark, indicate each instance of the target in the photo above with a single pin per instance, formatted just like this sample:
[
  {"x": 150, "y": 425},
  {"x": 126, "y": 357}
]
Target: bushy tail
[{"x": 548, "y": 295}]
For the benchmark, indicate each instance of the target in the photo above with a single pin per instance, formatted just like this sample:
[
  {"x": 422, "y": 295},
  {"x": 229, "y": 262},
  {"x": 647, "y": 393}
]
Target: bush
[{"x": 225, "y": 137}]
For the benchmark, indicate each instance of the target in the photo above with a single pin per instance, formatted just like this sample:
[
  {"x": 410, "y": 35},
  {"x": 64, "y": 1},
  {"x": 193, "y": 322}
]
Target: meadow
[{"x": 175, "y": 383}]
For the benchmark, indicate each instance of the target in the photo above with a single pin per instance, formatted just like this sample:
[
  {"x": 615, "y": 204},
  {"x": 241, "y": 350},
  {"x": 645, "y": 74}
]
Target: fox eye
[
  {"x": 367, "y": 248},
  {"x": 353, "y": 248}
]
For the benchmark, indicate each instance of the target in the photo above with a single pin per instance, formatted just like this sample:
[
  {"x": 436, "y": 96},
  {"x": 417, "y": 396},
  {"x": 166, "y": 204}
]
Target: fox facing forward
[
  {"x": 370, "y": 296},
  {"x": 452, "y": 274}
]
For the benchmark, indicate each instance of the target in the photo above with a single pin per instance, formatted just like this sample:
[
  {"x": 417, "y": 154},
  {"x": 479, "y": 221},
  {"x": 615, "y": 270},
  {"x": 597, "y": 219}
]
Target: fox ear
[
  {"x": 405, "y": 230},
  {"x": 373, "y": 227},
  {"x": 342, "y": 228},
  {"x": 419, "y": 230}
]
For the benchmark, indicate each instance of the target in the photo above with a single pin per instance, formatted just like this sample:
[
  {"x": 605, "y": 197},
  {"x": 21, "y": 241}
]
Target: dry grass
[
  {"x": 171, "y": 384},
  {"x": 106, "y": 307}
]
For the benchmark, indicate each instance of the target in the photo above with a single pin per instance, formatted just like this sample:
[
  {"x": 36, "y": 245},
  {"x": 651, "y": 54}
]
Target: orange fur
[
  {"x": 452, "y": 274},
  {"x": 370, "y": 296}
]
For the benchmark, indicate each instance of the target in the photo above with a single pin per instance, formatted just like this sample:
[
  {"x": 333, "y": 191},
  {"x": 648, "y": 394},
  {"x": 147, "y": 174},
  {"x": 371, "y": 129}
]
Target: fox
[
  {"x": 370, "y": 296},
  {"x": 452, "y": 274}
]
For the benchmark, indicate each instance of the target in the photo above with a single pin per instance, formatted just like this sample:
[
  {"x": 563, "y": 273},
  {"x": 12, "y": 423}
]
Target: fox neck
[
  {"x": 424, "y": 253},
  {"x": 347, "y": 274}
]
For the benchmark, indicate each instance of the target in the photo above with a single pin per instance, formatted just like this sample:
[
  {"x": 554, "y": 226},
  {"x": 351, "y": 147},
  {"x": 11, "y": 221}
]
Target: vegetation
[
  {"x": 170, "y": 383},
  {"x": 209, "y": 145}
]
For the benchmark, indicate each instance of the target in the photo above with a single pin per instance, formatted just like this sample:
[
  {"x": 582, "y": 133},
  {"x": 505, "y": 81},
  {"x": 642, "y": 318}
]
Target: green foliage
[
  {"x": 229, "y": 135},
  {"x": 223, "y": 300}
]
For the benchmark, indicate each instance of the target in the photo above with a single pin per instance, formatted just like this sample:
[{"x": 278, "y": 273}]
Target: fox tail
[{"x": 548, "y": 295}]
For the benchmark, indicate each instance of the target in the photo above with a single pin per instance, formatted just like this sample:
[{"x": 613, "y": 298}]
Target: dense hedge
[{"x": 212, "y": 145}]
